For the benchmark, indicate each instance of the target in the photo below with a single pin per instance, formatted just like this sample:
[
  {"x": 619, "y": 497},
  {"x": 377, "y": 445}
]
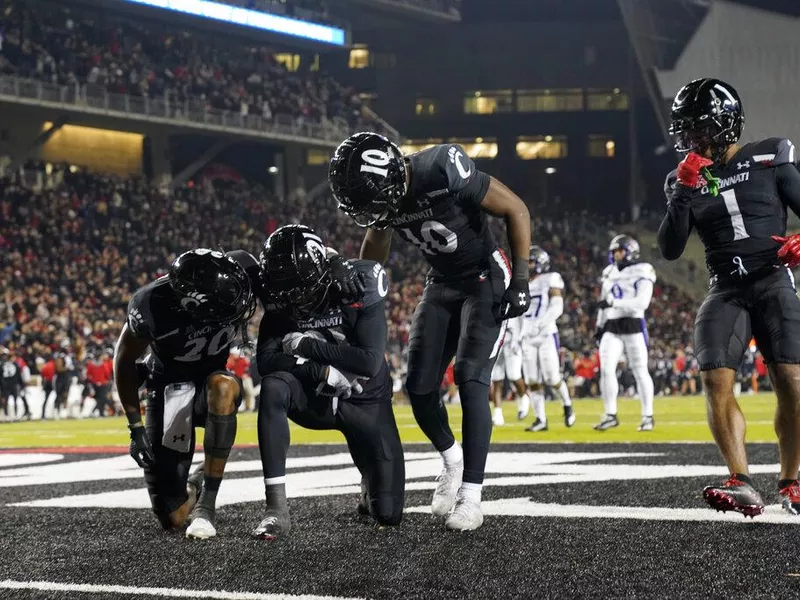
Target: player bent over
[
  {"x": 737, "y": 198},
  {"x": 188, "y": 319},
  {"x": 321, "y": 357}
]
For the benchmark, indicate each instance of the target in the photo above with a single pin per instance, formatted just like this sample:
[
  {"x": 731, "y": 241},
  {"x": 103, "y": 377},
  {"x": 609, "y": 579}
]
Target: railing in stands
[{"x": 191, "y": 113}]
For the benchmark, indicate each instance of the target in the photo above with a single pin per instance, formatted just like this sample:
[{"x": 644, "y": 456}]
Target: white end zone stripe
[
  {"x": 501, "y": 262},
  {"x": 89, "y": 588}
]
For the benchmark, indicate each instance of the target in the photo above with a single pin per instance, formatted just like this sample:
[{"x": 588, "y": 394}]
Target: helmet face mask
[
  {"x": 367, "y": 177},
  {"x": 707, "y": 118},
  {"x": 539, "y": 261},
  {"x": 212, "y": 287},
  {"x": 629, "y": 246},
  {"x": 297, "y": 276}
]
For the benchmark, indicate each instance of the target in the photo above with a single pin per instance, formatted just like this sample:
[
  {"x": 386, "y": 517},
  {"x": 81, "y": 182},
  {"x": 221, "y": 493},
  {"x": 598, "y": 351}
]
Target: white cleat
[
  {"x": 466, "y": 516},
  {"x": 444, "y": 496},
  {"x": 497, "y": 417},
  {"x": 523, "y": 407},
  {"x": 201, "y": 529}
]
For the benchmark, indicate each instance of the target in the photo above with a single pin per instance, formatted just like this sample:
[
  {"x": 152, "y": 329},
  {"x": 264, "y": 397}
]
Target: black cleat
[
  {"x": 569, "y": 416},
  {"x": 608, "y": 422},
  {"x": 790, "y": 498},
  {"x": 734, "y": 495},
  {"x": 273, "y": 526},
  {"x": 537, "y": 425}
]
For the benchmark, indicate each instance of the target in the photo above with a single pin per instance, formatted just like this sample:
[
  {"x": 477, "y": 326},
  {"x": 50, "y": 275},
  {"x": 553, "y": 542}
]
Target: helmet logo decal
[
  {"x": 375, "y": 161},
  {"x": 193, "y": 299},
  {"x": 314, "y": 247}
]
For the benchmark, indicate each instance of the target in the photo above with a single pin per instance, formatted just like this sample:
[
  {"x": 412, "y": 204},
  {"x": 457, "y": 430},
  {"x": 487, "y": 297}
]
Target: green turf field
[{"x": 677, "y": 420}]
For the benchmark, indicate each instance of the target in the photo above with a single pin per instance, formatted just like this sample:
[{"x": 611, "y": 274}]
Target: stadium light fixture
[
  {"x": 550, "y": 170},
  {"x": 250, "y": 18},
  {"x": 273, "y": 170}
]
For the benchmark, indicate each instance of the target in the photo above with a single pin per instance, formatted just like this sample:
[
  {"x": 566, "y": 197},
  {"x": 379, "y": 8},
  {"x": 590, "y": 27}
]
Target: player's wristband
[{"x": 519, "y": 270}]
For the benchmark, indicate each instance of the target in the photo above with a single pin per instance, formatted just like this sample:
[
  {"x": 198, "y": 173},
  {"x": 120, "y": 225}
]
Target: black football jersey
[
  {"x": 441, "y": 214},
  {"x": 345, "y": 336},
  {"x": 737, "y": 223},
  {"x": 181, "y": 349},
  {"x": 10, "y": 373}
]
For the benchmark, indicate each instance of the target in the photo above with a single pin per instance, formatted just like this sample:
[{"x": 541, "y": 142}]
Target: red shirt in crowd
[
  {"x": 587, "y": 367},
  {"x": 99, "y": 373},
  {"x": 48, "y": 370},
  {"x": 238, "y": 365}
]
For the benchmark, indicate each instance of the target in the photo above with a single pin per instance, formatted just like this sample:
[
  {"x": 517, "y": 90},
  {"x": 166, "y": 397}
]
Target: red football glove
[
  {"x": 689, "y": 168},
  {"x": 789, "y": 252}
]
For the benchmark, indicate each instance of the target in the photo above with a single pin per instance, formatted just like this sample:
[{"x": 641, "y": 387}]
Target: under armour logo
[
  {"x": 181, "y": 437},
  {"x": 740, "y": 270},
  {"x": 744, "y": 165}
]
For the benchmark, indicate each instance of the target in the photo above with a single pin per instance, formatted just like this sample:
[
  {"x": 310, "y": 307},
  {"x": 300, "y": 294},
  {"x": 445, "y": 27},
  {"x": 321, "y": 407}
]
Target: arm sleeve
[
  {"x": 554, "y": 310},
  {"x": 644, "y": 293},
  {"x": 463, "y": 178},
  {"x": 677, "y": 224},
  {"x": 364, "y": 355},
  {"x": 788, "y": 181},
  {"x": 271, "y": 359}
]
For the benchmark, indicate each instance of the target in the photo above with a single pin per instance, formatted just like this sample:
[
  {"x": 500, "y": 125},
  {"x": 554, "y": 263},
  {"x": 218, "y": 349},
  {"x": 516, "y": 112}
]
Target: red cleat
[
  {"x": 790, "y": 498},
  {"x": 735, "y": 495}
]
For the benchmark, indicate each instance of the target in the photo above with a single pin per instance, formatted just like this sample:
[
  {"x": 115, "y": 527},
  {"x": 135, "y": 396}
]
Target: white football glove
[
  {"x": 291, "y": 343},
  {"x": 343, "y": 384}
]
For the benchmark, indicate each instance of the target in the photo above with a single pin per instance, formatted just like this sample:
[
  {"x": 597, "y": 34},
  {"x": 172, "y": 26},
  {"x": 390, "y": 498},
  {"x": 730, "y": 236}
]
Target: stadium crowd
[
  {"x": 73, "y": 252},
  {"x": 184, "y": 71}
]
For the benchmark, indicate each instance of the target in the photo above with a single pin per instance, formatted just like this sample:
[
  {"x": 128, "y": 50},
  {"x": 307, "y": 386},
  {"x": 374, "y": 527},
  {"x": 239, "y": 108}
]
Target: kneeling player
[
  {"x": 314, "y": 352},
  {"x": 540, "y": 344},
  {"x": 189, "y": 320}
]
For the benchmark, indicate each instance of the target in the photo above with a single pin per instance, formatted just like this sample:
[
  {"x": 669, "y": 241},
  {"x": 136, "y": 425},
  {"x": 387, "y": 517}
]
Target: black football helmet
[
  {"x": 296, "y": 272},
  {"x": 626, "y": 243},
  {"x": 367, "y": 176},
  {"x": 707, "y": 114},
  {"x": 539, "y": 260},
  {"x": 212, "y": 287}
]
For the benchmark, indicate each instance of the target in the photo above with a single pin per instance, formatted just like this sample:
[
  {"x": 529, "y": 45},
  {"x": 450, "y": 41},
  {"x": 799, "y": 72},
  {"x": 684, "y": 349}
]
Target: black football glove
[
  {"x": 603, "y": 304},
  {"x": 598, "y": 335},
  {"x": 141, "y": 448},
  {"x": 516, "y": 299},
  {"x": 350, "y": 282}
]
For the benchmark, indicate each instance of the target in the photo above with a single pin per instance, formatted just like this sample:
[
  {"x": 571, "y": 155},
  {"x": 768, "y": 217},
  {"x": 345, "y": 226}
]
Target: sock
[
  {"x": 471, "y": 491},
  {"x": 644, "y": 384},
  {"x": 453, "y": 455},
  {"x": 609, "y": 389},
  {"x": 431, "y": 416},
  {"x": 208, "y": 497},
  {"x": 743, "y": 478},
  {"x": 785, "y": 483},
  {"x": 563, "y": 393},
  {"x": 537, "y": 401},
  {"x": 476, "y": 427},
  {"x": 275, "y": 490}
]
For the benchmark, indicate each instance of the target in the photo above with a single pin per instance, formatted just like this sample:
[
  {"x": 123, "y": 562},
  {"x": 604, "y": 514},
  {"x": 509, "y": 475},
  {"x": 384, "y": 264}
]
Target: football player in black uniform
[
  {"x": 737, "y": 196},
  {"x": 188, "y": 319},
  {"x": 323, "y": 366},
  {"x": 438, "y": 200}
]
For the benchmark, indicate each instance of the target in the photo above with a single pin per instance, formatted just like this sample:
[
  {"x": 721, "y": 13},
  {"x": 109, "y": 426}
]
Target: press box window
[
  {"x": 487, "y": 103},
  {"x": 550, "y": 100},
  {"x": 425, "y": 107},
  {"x": 613, "y": 99},
  {"x": 477, "y": 147},
  {"x": 359, "y": 57},
  {"x": 316, "y": 157},
  {"x": 542, "y": 147},
  {"x": 601, "y": 146}
]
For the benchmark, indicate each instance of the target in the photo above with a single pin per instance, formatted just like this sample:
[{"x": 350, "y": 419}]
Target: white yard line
[{"x": 90, "y": 588}]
